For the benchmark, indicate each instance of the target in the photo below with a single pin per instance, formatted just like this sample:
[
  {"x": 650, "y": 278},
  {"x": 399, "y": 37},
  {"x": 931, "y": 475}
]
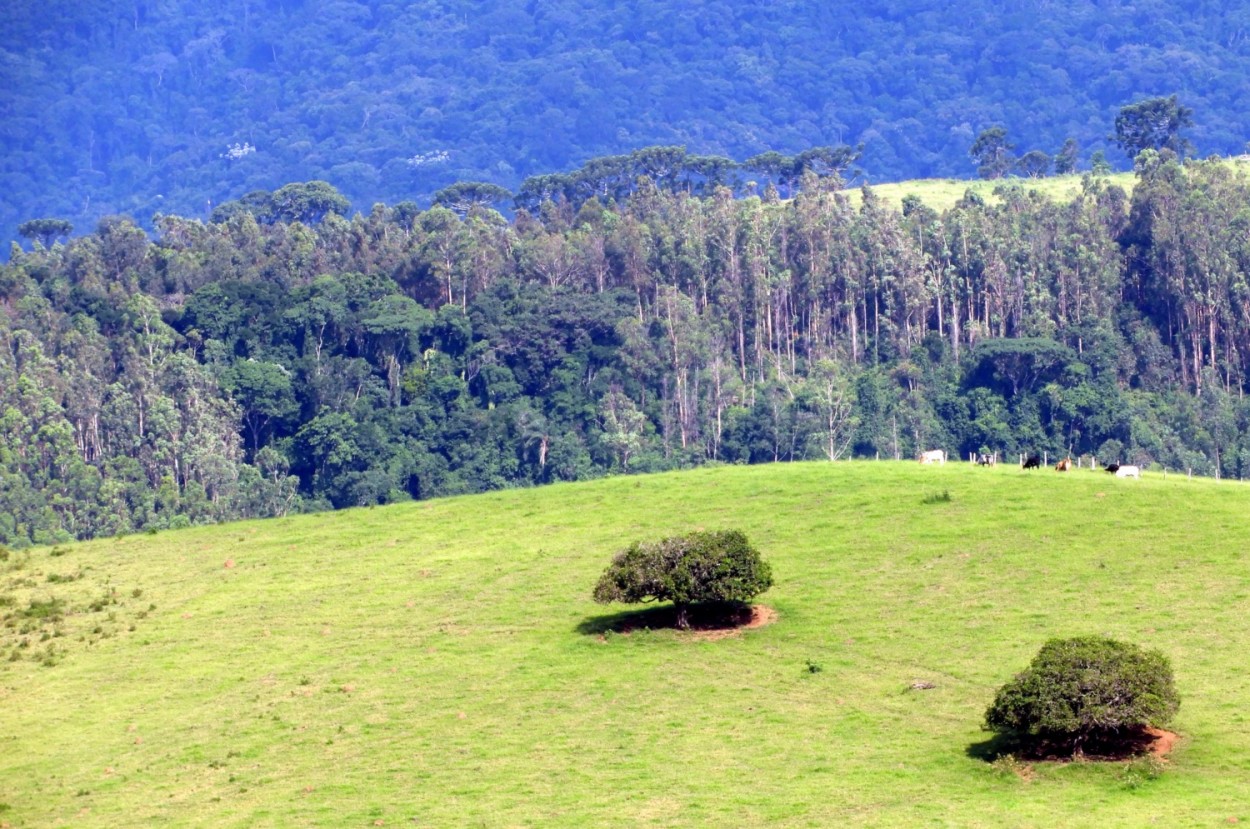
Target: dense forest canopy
[
  {"x": 238, "y": 367},
  {"x": 171, "y": 106}
]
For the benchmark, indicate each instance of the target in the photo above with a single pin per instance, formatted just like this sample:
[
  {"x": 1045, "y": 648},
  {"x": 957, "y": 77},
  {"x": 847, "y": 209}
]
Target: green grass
[
  {"x": 941, "y": 194},
  {"x": 423, "y": 665}
]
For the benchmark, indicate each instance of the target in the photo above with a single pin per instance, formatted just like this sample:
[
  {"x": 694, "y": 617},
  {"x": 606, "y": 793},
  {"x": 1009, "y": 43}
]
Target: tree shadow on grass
[
  {"x": 990, "y": 750},
  {"x": 1110, "y": 745},
  {"x": 726, "y": 616}
]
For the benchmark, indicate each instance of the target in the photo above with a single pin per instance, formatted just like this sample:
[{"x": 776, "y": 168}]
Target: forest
[
  {"x": 248, "y": 366},
  {"x": 146, "y": 107}
]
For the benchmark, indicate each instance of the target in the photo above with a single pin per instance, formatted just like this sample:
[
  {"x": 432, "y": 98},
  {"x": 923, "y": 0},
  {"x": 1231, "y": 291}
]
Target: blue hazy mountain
[{"x": 147, "y": 106}]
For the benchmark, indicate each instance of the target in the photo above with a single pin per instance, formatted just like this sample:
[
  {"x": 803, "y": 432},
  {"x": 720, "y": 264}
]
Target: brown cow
[{"x": 1064, "y": 465}]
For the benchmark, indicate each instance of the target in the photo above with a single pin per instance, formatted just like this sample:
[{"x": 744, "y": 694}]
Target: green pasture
[
  {"x": 941, "y": 193},
  {"x": 441, "y": 664}
]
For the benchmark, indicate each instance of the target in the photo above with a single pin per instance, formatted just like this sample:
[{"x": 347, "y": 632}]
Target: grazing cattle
[
  {"x": 1128, "y": 472},
  {"x": 1033, "y": 462},
  {"x": 986, "y": 460},
  {"x": 933, "y": 456},
  {"x": 1064, "y": 465},
  {"x": 1112, "y": 467}
]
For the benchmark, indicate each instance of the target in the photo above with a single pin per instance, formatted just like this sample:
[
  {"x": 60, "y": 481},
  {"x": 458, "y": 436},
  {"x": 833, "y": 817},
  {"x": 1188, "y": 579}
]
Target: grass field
[
  {"x": 941, "y": 194},
  {"x": 430, "y": 664}
]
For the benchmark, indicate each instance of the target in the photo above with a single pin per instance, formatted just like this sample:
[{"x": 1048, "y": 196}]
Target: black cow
[
  {"x": 1033, "y": 462},
  {"x": 1112, "y": 467}
]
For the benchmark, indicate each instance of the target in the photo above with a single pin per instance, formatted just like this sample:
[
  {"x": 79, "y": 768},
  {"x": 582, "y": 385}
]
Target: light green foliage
[{"x": 424, "y": 660}]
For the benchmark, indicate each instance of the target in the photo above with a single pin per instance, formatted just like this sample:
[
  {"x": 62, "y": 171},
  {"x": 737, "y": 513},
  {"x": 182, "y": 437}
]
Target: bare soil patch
[
  {"x": 760, "y": 615},
  {"x": 1164, "y": 742}
]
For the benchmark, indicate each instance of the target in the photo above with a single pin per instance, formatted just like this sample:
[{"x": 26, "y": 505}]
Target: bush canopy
[
  {"x": 700, "y": 567},
  {"x": 1086, "y": 689}
]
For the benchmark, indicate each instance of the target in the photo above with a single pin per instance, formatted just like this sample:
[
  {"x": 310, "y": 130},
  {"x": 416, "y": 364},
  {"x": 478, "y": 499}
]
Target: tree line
[{"x": 239, "y": 367}]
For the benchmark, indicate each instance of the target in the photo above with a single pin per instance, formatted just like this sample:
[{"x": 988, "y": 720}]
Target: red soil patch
[
  {"x": 760, "y": 616},
  {"x": 1164, "y": 742}
]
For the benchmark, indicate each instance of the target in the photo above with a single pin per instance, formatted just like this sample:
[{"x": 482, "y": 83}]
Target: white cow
[
  {"x": 933, "y": 456},
  {"x": 1128, "y": 472}
]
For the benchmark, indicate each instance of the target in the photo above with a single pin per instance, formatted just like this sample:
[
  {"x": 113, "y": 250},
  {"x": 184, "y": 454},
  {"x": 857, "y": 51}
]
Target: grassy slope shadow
[{"x": 703, "y": 617}]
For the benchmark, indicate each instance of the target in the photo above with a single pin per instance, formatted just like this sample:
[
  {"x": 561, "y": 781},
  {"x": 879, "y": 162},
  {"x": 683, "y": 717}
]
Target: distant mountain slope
[{"x": 169, "y": 106}]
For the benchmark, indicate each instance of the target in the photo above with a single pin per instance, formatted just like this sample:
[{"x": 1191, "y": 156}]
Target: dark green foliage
[
  {"x": 1153, "y": 124},
  {"x": 177, "y": 104},
  {"x": 308, "y": 202},
  {"x": 1019, "y": 364},
  {"x": 992, "y": 153},
  {"x": 49, "y": 610},
  {"x": 249, "y": 368},
  {"x": 463, "y": 196},
  {"x": 1086, "y": 689},
  {"x": 1065, "y": 160},
  {"x": 1034, "y": 164},
  {"x": 45, "y": 231},
  {"x": 701, "y": 567}
]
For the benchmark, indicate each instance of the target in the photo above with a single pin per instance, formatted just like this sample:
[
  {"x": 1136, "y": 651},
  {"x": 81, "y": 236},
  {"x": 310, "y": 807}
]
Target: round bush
[
  {"x": 688, "y": 569},
  {"x": 1087, "y": 689}
]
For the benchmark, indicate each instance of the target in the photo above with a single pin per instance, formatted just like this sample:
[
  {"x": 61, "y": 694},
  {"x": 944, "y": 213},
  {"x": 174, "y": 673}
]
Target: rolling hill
[{"x": 441, "y": 663}]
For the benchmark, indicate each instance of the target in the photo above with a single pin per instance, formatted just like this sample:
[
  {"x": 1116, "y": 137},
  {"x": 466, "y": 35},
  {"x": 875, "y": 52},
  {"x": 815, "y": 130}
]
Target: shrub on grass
[
  {"x": 700, "y": 567},
  {"x": 52, "y": 610},
  {"x": 1086, "y": 691}
]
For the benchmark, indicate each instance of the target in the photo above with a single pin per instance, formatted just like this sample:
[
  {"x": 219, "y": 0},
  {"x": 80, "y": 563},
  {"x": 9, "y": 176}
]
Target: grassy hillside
[
  {"x": 942, "y": 193},
  {"x": 435, "y": 664}
]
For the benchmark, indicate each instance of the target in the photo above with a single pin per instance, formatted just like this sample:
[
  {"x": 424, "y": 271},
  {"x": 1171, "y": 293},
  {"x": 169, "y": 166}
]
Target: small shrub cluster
[
  {"x": 50, "y": 610},
  {"x": 1141, "y": 771},
  {"x": 1009, "y": 765}
]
